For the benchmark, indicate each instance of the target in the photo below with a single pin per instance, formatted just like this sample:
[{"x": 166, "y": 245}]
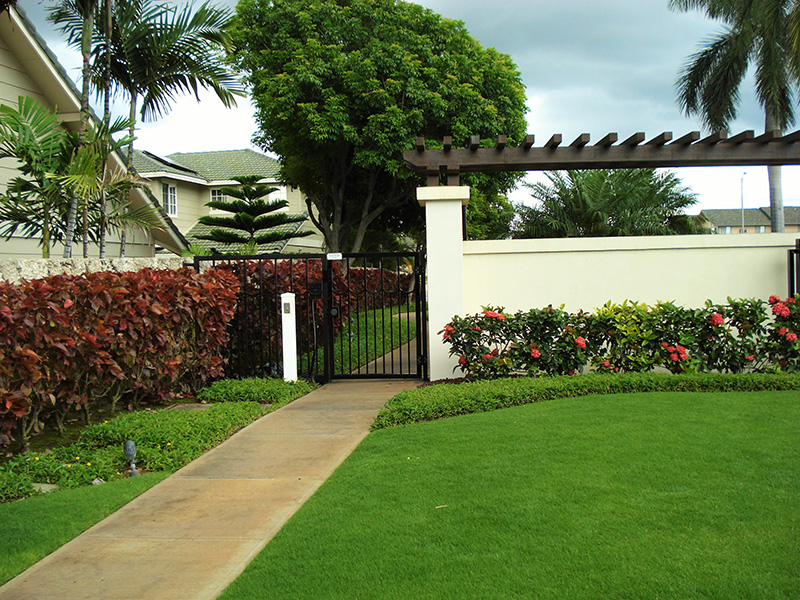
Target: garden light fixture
[{"x": 130, "y": 453}]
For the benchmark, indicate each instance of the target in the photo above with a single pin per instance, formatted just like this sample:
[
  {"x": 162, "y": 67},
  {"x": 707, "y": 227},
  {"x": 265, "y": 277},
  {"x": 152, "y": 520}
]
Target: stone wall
[{"x": 15, "y": 269}]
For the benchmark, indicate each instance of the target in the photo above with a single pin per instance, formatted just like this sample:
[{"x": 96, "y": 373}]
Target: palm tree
[
  {"x": 253, "y": 220},
  {"x": 758, "y": 32},
  {"x": 156, "y": 52},
  {"x": 606, "y": 202}
]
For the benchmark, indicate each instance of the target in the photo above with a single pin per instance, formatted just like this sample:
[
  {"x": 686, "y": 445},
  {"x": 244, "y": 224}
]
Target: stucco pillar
[{"x": 443, "y": 229}]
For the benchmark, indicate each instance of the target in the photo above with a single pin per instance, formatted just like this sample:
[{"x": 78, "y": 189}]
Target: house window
[
  {"x": 217, "y": 195},
  {"x": 723, "y": 229},
  {"x": 761, "y": 229},
  {"x": 169, "y": 198}
]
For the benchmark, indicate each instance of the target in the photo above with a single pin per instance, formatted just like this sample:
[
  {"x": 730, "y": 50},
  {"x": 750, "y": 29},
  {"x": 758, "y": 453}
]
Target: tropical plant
[
  {"x": 253, "y": 219},
  {"x": 489, "y": 217},
  {"x": 757, "y": 33},
  {"x": 342, "y": 88},
  {"x": 33, "y": 202},
  {"x": 155, "y": 52},
  {"x": 606, "y": 202}
]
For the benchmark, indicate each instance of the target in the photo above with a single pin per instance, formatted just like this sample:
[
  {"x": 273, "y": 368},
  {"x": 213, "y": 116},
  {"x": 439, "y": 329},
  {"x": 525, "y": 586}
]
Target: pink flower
[
  {"x": 716, "y": 319},
  {"x": 791, "y": 300},
  {"x": 780, "y": 309},
  {"x": 462, "y": 360},
  {"x": 791, "y": 337},
  {"x": 476, "y": 328},
  {"x": 580, "y": 342},
  {"x": 782, "y": 331},
  {"x": 684, "y": 356},
  {"x": 750, "y": 357},
  {"x": 663, "y": 344},
  {"x": 494, "y": 315},
  {"x": 674, "y": 357},
  {"x": 535, "y": 353},
  {"x": 606, "y": 363},
  {"x": 670, "y": 348},
  {"x": 774, "y": 299},
  {"x": 680, "y": 349}
]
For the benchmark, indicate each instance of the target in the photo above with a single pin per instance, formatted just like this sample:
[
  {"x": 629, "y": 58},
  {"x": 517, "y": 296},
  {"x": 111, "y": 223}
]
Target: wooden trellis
[{"x": 743, "y": 149}]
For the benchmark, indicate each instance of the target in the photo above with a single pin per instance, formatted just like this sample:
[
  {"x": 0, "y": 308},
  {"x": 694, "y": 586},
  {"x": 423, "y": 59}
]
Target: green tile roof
[
  {"x": 217, "y": 165},
  {"x": 227, "y": 164},
  {"x": 732, "y": 217},
  {"x": 200, "y": 229}
]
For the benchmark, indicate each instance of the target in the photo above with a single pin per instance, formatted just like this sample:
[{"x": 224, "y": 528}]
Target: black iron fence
[
  {"x": 793, "y": 267},
  {"x": 358, "y": 315}
]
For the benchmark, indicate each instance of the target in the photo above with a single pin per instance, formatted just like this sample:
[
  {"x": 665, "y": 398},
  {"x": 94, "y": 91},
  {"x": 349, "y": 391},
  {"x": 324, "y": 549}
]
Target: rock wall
[{"x": 13, "y": 270}]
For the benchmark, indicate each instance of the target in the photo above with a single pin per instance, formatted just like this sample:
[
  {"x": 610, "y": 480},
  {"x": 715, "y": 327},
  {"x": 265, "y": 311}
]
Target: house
[
  {"x": 28, "y": 68},
  {"x": 184, "y": 182},
  {"x": 756, "y": 220}
]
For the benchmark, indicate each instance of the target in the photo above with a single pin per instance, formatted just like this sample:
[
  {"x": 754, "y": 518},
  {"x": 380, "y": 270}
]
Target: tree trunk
[
  {"x": 123, "y": 236},
  {"x": 86, "y": 49},
  {"x": 775, "y": 189}
]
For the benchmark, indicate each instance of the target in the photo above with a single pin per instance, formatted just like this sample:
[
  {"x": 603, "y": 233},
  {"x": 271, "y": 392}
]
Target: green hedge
[{"x": 448, "y": 400}]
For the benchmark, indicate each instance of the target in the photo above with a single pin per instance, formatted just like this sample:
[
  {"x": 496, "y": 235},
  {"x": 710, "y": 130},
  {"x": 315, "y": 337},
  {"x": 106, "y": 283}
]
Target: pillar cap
[{"x": 443, "y": 193}]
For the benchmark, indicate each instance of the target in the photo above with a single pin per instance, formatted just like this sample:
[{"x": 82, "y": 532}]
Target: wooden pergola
[{"x": 743, "y": 149}]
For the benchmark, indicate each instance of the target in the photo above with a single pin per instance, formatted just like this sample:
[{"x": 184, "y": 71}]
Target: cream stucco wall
[{"x": 584, "y": 273}]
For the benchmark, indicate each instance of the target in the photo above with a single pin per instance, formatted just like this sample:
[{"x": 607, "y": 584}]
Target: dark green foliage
[
  {"x": 489, "y": 216},
  {"x": 606, "y": 202},
  {"x": 252, "y": 216},
  {"x": 448, "y": 400},
  {"x": 254, "y": 389},
  {"x": 343, "y": 87}
]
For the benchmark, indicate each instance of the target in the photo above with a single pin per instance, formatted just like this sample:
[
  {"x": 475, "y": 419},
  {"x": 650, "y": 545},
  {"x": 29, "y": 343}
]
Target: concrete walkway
[{"x": 192, "y": 534}]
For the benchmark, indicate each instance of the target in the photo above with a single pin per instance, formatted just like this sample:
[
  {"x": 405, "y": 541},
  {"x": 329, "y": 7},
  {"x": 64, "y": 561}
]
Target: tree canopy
[
  {"x": 607, "y": 202},
  {"x": 342, "y": 87}
]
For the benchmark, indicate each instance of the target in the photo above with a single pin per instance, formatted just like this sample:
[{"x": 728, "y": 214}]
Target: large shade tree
[
  {"x": 606, "y": 202},
  {"x": 757, "y": 34},
  {"x": 342, "y": 87}
]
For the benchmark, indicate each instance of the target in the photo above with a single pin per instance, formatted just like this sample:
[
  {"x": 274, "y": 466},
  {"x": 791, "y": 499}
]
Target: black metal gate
[{"x": 357, "y": 315}]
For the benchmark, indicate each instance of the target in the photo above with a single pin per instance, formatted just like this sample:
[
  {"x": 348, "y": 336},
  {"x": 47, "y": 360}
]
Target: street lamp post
[{"x": 741, "y": 188}]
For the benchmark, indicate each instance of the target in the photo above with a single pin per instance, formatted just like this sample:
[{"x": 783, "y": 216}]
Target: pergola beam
[{"x": 743, "y": 149}]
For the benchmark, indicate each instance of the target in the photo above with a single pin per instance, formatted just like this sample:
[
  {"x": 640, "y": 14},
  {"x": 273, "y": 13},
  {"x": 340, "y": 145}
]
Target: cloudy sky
[{"x": 588, "y": 66}]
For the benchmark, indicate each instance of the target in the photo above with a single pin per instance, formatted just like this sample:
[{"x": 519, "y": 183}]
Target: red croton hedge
[{"x": 69, "y": 341}]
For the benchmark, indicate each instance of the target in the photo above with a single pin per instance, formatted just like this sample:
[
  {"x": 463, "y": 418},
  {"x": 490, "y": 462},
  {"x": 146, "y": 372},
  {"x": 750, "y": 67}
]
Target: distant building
[
  {"x": 184, "y": 182},
  {"x": 756, "y": 220}
]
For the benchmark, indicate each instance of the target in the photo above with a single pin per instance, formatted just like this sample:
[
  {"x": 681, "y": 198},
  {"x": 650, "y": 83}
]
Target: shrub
[
  {"x": 629, "y": 337},
  {"x": 253, "y": 389},
  {"x": 67, "y": 341}
]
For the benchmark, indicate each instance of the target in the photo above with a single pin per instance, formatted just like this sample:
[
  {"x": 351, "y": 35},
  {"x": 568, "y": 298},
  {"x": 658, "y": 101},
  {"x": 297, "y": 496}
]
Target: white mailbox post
[{"x": 289, "y": 327}]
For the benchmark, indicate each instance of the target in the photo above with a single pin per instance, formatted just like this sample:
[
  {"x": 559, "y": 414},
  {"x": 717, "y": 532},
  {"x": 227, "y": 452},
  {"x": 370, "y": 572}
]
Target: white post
[
  {"x": 289, "y": 327},
  {"x": 443, "y": 232}
]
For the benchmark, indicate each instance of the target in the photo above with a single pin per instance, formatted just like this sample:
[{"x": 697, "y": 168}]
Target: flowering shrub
[{"x": 629, "y": 337}]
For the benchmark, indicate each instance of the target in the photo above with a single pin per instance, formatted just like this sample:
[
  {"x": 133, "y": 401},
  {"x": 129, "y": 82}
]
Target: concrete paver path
[{"x": 192, "y": 534}]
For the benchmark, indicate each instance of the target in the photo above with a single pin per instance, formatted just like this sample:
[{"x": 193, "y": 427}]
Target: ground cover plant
[
  {"x": 447, "y": 400},
  {"x": 165, "y": 439},
  {"x": 649, "y": 495}
]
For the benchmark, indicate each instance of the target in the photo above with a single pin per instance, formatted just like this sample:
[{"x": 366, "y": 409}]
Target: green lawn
[{"x": 660, "y": 495}]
